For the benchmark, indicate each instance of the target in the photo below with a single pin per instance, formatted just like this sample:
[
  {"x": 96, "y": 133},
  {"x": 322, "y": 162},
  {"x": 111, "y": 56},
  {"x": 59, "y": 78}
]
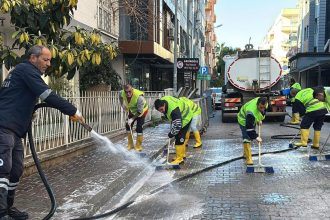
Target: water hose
[
  {"x": 38, "y": 165},
  {"x": 127, "y": 204}
]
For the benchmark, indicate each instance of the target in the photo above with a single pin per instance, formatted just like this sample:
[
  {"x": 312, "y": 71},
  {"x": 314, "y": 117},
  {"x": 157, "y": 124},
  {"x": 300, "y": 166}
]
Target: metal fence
[{"x": 102, "y": 111}]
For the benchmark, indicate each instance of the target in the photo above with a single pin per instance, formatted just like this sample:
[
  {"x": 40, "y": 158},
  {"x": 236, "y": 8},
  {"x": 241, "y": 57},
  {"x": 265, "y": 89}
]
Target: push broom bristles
[{"x": 167, "y": 165}]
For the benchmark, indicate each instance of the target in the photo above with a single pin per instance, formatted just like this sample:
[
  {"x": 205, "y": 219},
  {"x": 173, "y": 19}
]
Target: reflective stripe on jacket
[
  {"x": 252, "y": 108},
  {"x": 173, "y": 103},
  {"x": 305, "y": 96},
  {"x": 132, "y": 104},
  {"x": 196, "y": 110}
]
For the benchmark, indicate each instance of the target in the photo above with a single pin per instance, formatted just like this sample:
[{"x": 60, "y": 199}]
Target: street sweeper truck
[{"x": 249, "y": 74}]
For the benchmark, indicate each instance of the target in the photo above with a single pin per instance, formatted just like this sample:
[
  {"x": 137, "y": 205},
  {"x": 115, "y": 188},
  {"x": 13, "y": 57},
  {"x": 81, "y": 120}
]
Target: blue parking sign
[{"x": 204, "y": 70}]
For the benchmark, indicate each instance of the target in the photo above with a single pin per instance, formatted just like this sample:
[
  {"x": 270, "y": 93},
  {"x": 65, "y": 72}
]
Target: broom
[
  {"x": 259, "y": 168},
  {"x": 167, "y": 165},
  {"x": 321, "y": 156}
]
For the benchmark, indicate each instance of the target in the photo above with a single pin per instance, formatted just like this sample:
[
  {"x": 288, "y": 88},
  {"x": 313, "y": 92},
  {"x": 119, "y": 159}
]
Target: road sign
[
  {"x": 187, "y": 64},
  {"x": 203, "y": 73}
]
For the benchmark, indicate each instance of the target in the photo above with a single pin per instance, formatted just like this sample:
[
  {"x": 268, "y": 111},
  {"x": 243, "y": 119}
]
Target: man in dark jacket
[{"x": 18, "y": 96}]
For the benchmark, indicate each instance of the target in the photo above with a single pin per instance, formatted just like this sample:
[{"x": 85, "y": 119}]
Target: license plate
[{"x": 232, "y": 109}]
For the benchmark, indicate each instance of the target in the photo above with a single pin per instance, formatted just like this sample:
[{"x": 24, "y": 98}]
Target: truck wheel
[
  {"x": 224, "y": 119},
  {"x": 279, "y": 118}
]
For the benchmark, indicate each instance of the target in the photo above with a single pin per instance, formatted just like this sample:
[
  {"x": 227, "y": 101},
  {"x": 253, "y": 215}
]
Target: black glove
[
  {"x": 170, "y": 135},
  {"x": 252, "y": 134}
]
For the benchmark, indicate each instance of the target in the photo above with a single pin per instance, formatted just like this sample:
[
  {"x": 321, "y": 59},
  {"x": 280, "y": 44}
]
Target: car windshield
[{"x": 217, "y": 90}]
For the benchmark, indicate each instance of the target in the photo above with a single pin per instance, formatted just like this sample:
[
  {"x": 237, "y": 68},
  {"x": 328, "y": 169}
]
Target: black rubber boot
[
  {"x": 16, "y": 214},
  {"x": 13, "y": 212},
  {"x": 3, "y": 204}
]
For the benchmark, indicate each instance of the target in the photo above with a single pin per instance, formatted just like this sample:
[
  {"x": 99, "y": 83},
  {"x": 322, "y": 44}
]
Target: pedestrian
[
  {"x": 251, "y": 114},
  {"x": 294, "y": 89},
  {"x": 197, "y": 111},
  {"x": 18, "y": 96},
  {"x": 310, "y": 104},
  {"x": 133, "y": 102},
  {"x": 180, "y": 115}
]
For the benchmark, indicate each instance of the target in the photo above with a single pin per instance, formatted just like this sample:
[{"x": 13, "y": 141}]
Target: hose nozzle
[{"x": 86, "y": 126}]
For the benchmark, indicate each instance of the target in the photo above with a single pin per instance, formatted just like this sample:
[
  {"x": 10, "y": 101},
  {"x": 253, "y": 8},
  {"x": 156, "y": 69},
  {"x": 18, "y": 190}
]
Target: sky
[{"x": 242, "y": 19}]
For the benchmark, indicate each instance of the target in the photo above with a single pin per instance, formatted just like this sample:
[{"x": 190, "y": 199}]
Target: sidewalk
[{"x": 99, "y": 180}]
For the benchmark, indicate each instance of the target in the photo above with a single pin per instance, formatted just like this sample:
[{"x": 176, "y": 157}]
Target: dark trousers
[
  {"x": 180, "y": 137},
  {"x": 11, "y": 166},
  {"x": 139, "y": 124},
  {"x": 298, "y": 107},
  {"x": 315, "y": 117}
]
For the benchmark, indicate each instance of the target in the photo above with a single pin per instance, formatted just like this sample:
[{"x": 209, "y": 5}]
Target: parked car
[{"x": 215, "y": 94}]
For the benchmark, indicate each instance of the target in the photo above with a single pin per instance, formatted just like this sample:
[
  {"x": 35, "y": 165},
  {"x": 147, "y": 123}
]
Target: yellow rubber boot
[
  {"x": 198, "y": 139},
  {"x": 244, "y": 149},
  {"x": 187, "y": 138},
  {"x": 304, "y": 134},
  {"x": 130, "y": 144},
  {"x": 295, "y": 120},
  {"x": 247, "y": 148},
  {"x": 138, "y": 146},
  {"x": 316, "y": 140},
  {"x": 179, "y": 154}
]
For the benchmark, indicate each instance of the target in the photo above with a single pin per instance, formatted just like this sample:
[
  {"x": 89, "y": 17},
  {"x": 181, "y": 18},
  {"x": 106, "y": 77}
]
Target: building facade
[
  {"x": 210, "y": 37},
  {"x": 311, "y": 65},
  {"x": 282, "y": 36},
  {"x": 147, "y": 43}
]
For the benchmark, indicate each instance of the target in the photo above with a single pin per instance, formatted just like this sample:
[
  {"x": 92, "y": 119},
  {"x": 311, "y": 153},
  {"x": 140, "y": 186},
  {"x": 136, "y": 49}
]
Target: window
[{"x": 108, "y": 16}]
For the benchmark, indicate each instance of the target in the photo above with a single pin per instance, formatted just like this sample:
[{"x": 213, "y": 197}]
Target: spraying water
[
  {"x": 130, "y": 156},
  {"x": 104, "y": 140}
]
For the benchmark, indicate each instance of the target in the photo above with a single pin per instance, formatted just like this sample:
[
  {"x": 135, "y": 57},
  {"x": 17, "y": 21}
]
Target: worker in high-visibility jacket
[
  {"x": 251, "y": 114},
  {"x": 294, "y": 89},
  {"x": 310, "y": 104},
  {"x": 132, "y": 101},
  {"x": 179, "y": 113},
  {"x": 197, "y": 111}
]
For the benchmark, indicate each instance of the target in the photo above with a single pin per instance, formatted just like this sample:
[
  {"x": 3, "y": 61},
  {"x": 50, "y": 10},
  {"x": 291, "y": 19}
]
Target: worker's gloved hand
[
  {"x": 259, "y": 139},
  {"x": 170, "y": 135},
  {"x": 260, "y": 123},
  {"x": 130, "y": 121},
  {"x": 77, "y": 117}
]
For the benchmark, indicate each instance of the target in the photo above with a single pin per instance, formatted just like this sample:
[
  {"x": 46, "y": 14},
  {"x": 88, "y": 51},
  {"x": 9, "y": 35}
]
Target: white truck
[{"x": 249, "y": 74}]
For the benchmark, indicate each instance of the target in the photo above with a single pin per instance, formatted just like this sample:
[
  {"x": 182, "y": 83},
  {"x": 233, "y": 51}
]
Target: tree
[
  {"x": 42, "y": 22},
  {"x": 221, "y": 51}
]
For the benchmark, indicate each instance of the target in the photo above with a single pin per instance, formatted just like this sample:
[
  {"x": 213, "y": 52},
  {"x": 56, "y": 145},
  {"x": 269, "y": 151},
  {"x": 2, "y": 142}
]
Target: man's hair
[
  {"x": 159, "y": 103},
  {"x": 292, "y": 81},
  {"x": 262, "y": 100},
  {"x": 35, "y": 50},
  {"x": 127, "y": 86},
  {"x": 317, "y": 90}
]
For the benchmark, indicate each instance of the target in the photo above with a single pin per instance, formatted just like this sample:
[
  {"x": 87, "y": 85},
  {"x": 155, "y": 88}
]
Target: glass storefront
[{"x": 138, "y": 74}]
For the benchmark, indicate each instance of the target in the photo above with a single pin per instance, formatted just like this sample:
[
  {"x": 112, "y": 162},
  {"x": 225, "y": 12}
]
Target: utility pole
[{"x": 175, "y": 71}]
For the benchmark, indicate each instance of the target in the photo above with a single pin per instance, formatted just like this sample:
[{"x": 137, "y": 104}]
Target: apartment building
[
  {"x": 147, "y": 43},
  {"x": 311, "y": 65},
  {"x": 282, "y": 36},
  {"x": 210, "y": 37}
]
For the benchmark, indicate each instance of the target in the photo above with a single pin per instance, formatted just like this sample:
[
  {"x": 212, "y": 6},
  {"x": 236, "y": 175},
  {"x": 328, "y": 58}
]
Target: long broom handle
[
  {"x": 326, "y": 141},
  {"x": 168, "y": 150},
  {"x": 259, "y": 143}
]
